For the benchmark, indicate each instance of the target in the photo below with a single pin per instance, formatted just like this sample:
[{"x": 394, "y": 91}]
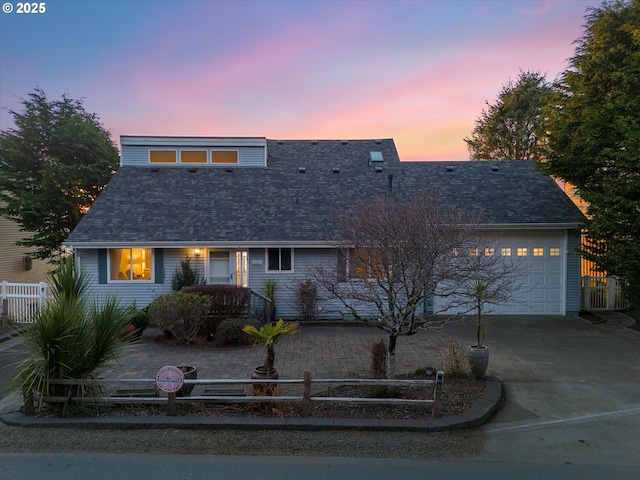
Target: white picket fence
[
  {"x": 19, "y": 302},
  {"x": 602, "y": 293}
]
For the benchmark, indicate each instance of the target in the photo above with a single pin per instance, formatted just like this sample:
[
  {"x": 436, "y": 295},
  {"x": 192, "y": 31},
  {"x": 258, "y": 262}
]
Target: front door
[
  {"x": 219, "y": 268},
  {"x": 228, "y": 268}
]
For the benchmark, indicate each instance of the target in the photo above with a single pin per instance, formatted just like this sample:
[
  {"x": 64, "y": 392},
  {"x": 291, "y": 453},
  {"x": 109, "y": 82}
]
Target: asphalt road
[
  {"x": 140, "y": 467},
  {"x": 11, "y": 352}
]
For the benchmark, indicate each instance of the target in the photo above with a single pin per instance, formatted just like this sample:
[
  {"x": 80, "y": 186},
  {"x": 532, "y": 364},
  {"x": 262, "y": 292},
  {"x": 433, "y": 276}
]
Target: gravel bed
[{"x": 346, "y": 443}]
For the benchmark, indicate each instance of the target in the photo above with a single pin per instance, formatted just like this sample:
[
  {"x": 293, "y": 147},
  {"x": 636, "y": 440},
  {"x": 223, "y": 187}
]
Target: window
[
  {"x": 162, "y": 156},
  {"x": 538, "y": 252},
  {"x": 522, "y": 251},
  {"x": 473, "y": 252},
  {"x": 457, "y": 251},
  {"x": 363, "y": 264},
  {"x": 279, "y": 260},
  {"x": 505, "y": 252},
  {"x": 554, "y": 252},
  {"x": 130, "y": 264},
  {"x": 224, "y": 156},
  {"x": 193, "y": 156},
  {"x": 489, "y": 252}
]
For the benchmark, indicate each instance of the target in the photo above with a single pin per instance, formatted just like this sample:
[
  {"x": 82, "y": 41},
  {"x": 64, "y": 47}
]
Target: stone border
[{"x": 477, "y": 415}]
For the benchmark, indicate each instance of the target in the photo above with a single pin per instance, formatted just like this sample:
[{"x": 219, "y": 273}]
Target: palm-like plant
[
  {"x": 268, "y": 335},
  {"x": 479, "y": 292},
  {"x": 70, "y": 339}
]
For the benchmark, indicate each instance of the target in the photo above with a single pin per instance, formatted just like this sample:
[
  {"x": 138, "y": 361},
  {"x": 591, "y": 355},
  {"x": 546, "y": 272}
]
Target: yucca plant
[
  {"x": 268, "y": 335},
  {"x": 71, "y": 338}
]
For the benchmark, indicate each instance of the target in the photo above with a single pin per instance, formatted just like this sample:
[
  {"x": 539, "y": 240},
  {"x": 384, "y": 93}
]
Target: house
[
  {"x": 16, "y": 265},
  {"x": 248, "y": 209}
]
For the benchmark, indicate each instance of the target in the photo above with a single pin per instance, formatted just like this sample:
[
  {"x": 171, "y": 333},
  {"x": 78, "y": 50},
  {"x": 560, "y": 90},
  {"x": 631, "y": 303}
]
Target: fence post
[
  {"x": 437, "y": 394},
  {"x": 306, "y": 395},
  {"x": 171, "y": 410},
  {"x": 586, "y": 292},
  {"x": 612, "y": 288}
]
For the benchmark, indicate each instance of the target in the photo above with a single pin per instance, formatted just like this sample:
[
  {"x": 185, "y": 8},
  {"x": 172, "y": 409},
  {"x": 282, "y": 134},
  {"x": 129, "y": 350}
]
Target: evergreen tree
[
  {"x": 512, "y": 128},
  {"x": 594, "y": 136},
  {"x": 53, "y": 165}
]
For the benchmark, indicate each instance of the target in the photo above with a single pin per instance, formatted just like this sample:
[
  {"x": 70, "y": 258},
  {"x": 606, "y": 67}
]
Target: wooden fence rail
[{"x": 306, "y": 398}]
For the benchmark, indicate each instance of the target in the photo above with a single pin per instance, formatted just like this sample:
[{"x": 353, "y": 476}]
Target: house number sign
[{"x": 169, "y": 379}]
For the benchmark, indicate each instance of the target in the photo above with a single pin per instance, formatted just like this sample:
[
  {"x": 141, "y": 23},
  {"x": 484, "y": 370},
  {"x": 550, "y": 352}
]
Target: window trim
[
  {"x": 280, "y": 270},
  {"x": 151, "y": 261}
]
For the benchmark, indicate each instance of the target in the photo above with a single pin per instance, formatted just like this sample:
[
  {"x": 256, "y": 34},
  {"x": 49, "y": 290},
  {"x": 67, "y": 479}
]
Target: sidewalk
[{"x": 326, "y": 351}]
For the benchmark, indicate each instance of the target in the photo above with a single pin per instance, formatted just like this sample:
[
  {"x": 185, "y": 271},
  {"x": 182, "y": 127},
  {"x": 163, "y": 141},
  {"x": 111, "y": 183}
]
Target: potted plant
[
  {"x": 479, "y": 353},
  {"x": 190, "y": 373},
  {"x": 268, "y": 335},
  {"x": 138, "y": 323}
]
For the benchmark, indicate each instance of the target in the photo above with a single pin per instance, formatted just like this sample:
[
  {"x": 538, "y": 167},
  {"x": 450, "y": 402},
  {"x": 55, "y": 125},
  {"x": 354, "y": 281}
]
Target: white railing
[
  {"x": 19, "y": 302},
  {"x": 602, "y": 293}
]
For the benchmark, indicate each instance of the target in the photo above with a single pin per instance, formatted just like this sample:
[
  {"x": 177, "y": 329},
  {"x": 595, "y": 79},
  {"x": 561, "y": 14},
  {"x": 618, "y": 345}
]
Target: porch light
[{"x": 196, "y": 252}]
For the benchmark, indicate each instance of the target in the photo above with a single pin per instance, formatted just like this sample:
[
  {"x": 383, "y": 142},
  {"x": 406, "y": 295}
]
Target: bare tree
[{"x": 392, "y": 257}]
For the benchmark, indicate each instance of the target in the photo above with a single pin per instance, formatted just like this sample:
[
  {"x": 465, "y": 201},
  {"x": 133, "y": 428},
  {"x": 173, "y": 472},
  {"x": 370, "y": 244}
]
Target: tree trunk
[
  {"x": 270, "y": 360},
  {"x": 391, "y": 358}
]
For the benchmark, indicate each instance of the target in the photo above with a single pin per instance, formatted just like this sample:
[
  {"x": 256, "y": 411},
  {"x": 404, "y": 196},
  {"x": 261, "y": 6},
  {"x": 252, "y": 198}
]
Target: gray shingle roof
[{"x": 204, "y": 204}]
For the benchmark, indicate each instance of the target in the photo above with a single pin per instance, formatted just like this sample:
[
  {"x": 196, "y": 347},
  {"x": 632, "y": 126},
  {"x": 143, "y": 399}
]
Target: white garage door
[{"x": 541, "y": 257}]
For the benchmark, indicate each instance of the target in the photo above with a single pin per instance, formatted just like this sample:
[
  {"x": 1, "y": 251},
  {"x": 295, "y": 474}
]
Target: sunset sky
[{"x": 417, "y": 71}]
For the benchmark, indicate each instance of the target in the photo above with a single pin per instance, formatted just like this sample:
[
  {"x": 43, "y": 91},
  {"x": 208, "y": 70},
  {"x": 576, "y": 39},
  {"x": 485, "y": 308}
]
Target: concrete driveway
[{"x": 572, "y": 391}]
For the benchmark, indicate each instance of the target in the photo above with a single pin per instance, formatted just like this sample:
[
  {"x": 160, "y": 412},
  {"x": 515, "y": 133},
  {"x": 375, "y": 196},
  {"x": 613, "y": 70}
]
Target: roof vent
[
  {"x": 449, "y": 168},
  {"x": 336, "y": 170},
  {"x": 376, "y": 157},
  {"x": 378, "y": 141},
  {"x": 280, "y": 142},
  {"x": 314, "y": 142},
  {"x": 302, "y": 169},
  {"x": 495, "y": 168},
  {"x": 345, "y": 142},
  {"x": 378, "y": 169},
  {"x": 155, "y": 170},
  {"x": 229, "y": 170},
  {"x": 192, "y": 170}
]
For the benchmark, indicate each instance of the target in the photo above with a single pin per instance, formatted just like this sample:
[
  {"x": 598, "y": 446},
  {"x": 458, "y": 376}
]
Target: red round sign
[{"x": 169, "y": 379}]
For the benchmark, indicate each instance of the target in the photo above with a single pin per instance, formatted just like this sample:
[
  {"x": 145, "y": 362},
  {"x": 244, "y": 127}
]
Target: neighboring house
[
  {"x": 16, "y": 265},
  {"x": 248, "y": 209}
]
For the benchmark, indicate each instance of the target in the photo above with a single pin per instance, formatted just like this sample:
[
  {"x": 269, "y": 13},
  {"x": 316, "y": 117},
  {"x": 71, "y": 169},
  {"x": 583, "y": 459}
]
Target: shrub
[
  {"x": 379, "y": 359},
  {"x": 454, "y": 358},
  {"x": 185, "y": 276},
  {"x": 180, "y": 315},
  {"x": 307, "y": 298},
  {"x": 227, "y": 301},
  {"x": 229, "y": 331}
]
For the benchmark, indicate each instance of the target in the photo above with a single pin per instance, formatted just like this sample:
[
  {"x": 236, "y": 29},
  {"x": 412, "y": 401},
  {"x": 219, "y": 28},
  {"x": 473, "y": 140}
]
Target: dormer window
[
  {"x": 224, "y": 156},
  {"x": 193, "y": 156},
  {"x": 162, "y": 156}
]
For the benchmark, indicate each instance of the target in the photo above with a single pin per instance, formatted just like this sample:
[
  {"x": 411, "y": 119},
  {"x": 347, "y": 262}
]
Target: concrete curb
[{"x": 477, "y": 415}]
